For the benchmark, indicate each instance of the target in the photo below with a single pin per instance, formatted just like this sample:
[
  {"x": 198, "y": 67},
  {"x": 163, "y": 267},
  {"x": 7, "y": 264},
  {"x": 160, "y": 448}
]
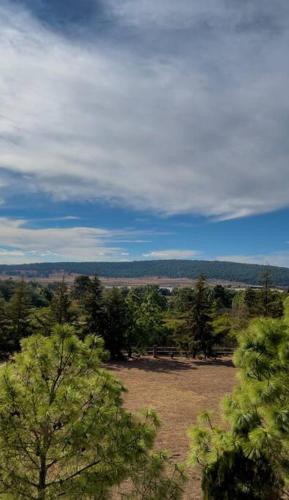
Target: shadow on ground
[
  {"x": 214, "y": 362},
  {"x": 163, "y": 365},
  {"x": 167, "y": 365}
]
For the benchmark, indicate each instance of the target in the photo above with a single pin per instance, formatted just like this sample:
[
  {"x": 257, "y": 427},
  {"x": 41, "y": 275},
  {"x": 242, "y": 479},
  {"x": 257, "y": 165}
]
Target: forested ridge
[{"x": 218, "y": 270}]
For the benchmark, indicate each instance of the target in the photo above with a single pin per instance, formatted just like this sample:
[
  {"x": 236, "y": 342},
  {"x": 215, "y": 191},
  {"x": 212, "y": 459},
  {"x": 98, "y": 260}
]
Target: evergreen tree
[
  {"x": 19, "y": 314},
  {"x": 60, "y": 304},
  {"x": 252, "y": 302},
  {"x": 5, "y": 328},
  {"x": 93, "y": 306},
  {"x": 266, "y": 293},
  {"x": 64, "y": 431},
  {"x": 133, "y": 334},
  {"x": 276, "y": 306},
  {"x": 250, "y": 460},
  {"x": 199, "y": 321},
  {"x": 116, "y": 323},
  {"x": 150, "y": 319},
  {"x": 81, "y": 286},
  {"x": 222, "y": 297}
]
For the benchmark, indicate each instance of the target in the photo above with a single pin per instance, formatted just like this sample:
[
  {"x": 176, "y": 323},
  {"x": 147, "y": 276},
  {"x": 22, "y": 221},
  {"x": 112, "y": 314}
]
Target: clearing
[{"x": 179, "y": 390}]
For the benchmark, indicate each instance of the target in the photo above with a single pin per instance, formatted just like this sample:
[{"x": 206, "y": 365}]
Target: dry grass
[{"x": 178, "y": 390}]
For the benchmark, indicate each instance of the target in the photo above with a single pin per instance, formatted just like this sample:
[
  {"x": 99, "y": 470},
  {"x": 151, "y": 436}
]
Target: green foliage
[
  {"x": 223, "y": 329},
  {"x": 197, "y": 332},
  {"x": 93, "y": 305},
  {"x": 64, "y": 431},
  {"x": 6, "y": 341},
  {"x": 116, "y": 323},
  {"x": 19, "y": 314},
  {"x": 222, "y": 297},
  {"x": 252, "y": 302},
  {"x": 60, "y": 304},
  {"x": 257, "y": 442},
  {"x": 81, "y": 286},
  {"x": 150, "y": 321}
]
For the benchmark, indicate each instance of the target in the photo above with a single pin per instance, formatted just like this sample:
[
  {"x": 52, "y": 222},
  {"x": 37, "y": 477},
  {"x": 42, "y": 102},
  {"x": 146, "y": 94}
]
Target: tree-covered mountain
[{"x": 217, "y": 270}]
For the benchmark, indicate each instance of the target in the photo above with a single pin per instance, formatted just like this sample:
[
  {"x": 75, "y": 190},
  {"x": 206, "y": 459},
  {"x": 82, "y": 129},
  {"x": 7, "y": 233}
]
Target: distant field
[
  {"x": 178, "y": 390},
  {"x": 127, "y": 282}
]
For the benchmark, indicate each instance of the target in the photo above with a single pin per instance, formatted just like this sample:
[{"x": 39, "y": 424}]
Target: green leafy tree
[
  {"x": 81, "y": 286},
  {"x": 5, "y": 328},
  {"x": 265, "y": 297},
  {"x": 252, "y": 302},
  {"x": 60, "y": 304},
  {"x": 182, "y": 299},
  {"x": 93, "y": 305},
  {"x": 198, "y": 324},
  {"x": 133, "y": 334},
  {"x": 222, "y": 297},
  {"x": 116, "y": 323},
  {"x": 223, "y": 330},
  {"x": 64, "y": 431},
  {"x": 150, "y": 319},
  {"x": 19, "y": 314},
  {"x": 254, "y": 451}
]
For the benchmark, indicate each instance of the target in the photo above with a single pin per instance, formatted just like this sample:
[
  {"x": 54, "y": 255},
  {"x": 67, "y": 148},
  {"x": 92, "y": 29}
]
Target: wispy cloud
[
  {"x": 196, "y": 125},
  {"x": 20, "y": 243}
]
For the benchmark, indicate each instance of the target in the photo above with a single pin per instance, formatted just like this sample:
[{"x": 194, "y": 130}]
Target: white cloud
[
  {"x": 197, "y": 125},
  {"x": 172, "y": 254},
  {"x": 21, "y": 244}
]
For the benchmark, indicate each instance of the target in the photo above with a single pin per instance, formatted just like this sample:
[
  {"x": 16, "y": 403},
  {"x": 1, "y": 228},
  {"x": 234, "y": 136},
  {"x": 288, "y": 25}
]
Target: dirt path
[{"x": 179, "y": 390}]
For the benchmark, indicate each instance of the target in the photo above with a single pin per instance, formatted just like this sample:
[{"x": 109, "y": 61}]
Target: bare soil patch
[{"x": 179, "y": 390}]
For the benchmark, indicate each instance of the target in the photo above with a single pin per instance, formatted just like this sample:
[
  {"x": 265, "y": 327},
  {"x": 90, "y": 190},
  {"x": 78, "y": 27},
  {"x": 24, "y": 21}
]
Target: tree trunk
[{"x": 42, "y": 479}]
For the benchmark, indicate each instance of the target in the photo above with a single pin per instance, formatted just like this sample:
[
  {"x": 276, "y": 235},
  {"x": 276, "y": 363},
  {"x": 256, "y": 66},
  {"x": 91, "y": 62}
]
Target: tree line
[{"x": 194, "y": 320}]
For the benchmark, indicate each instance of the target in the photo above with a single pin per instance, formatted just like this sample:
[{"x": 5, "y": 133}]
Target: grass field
[{"x": 178, "y": 390}]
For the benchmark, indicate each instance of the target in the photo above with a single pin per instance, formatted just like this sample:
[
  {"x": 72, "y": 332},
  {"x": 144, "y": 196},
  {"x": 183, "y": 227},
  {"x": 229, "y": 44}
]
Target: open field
[
  {"x": 178, "y": 390},
  {"x": 125, "y": 282}
]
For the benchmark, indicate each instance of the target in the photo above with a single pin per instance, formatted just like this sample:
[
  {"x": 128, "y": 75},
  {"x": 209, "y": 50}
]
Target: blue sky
[{"x": 138, "y": 129}]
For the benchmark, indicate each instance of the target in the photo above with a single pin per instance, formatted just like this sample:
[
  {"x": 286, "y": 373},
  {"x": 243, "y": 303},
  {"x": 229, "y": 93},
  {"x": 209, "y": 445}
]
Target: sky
[{"x": 144, "y": 129}]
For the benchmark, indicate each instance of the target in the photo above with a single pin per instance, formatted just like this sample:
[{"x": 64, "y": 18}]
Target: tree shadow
[
  {"x": 161, "y": 364},
  {"x": 214, "y": 362}
]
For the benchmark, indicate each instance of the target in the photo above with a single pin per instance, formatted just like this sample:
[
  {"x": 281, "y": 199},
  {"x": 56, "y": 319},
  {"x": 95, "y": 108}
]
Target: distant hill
[{"x": 216, "y": 270}]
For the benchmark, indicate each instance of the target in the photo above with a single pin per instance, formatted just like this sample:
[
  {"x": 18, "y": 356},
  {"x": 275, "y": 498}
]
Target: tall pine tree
[
  {"x": 19, "y": 314},
  {"x": 199, "y": 320}
]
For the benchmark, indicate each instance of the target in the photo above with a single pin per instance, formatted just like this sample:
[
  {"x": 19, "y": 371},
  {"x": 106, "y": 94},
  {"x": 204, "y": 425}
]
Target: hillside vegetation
[{"x": 226, "y": 271}]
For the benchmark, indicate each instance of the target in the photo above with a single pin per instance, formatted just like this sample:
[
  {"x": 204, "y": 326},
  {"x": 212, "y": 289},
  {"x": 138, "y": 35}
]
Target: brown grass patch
[{"x": 179, "y": 390}]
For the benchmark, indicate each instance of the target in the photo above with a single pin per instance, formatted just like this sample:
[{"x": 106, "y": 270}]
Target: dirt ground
[{"x": 179, "y": 390}]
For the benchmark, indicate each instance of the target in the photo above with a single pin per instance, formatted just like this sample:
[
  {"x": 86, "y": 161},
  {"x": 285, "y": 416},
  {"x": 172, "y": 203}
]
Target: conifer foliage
[
  {"x": 64, "y": 432},
  {"x": 251, "y": 460},
  {"x": 198, "y": 327}
]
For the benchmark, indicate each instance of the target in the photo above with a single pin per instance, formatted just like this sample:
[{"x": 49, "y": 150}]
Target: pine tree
[
  {"x": 116, "y": 323},
  {"x": 133, "y": 335},
  {"x": 250, "y": 460},
  {"x": 81, "y": 286},
  {"x": 6, "y": 344},
  {"x": 252, "y": 302},
  {"x": 64, "y": 431},
  {"x": 93, "y": 306},
  {"x": 150, "y": 319},
  {"x": 199, "y": 321},
  {"x": 266, "y": 293},
  {"x": 60, "y": 304},
  {"x": 19, "y": 314}
]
